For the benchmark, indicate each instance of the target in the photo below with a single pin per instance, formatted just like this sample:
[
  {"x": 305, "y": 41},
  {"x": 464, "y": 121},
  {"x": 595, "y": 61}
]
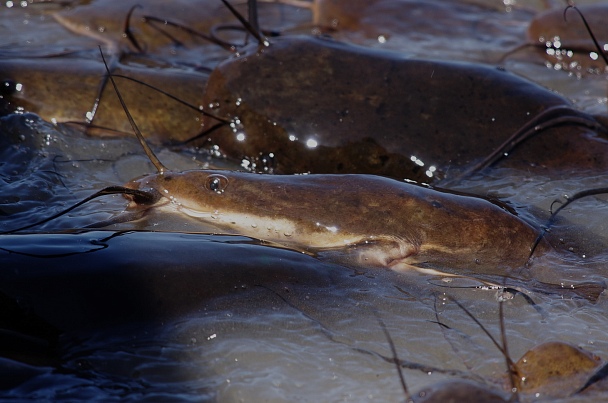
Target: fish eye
[{"x": 216, "y": 183}]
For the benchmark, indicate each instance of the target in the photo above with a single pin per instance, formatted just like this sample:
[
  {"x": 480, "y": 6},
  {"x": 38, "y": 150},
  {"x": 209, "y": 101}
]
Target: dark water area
[
  {"x": 110, "y": 321},
  {"x": 164, "y": 309},
  {"x": 84, "y": 319}
]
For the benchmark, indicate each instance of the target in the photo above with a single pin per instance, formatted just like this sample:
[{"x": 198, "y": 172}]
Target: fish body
[
  {"x": 383, "y": 222},
  {"x": 320, "y": 106}
]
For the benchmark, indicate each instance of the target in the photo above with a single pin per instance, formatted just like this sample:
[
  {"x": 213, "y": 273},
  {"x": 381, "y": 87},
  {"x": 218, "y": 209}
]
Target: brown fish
[
  {"x": 472, "y": 32},
  {"x": 380, "y": 222},
  {"x": 320, "y": 106},
  {"x": 64, "y": 90},
  {"x": 161, "y": 28},
  {"x": 566, "y": 43},
  {"x": 551, "y": 26}
]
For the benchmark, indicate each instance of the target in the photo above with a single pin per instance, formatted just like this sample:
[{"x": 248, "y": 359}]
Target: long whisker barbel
[
  {"x": 550, "y": 117},
  {"x": 570, "y": 199},
  {"x": 588, "y": 28},
  {"x": 173, "y": 97},
  {"x": 139, "y": 196}
]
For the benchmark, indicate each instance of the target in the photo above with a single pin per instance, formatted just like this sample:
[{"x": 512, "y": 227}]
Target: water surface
[{"x": 173, "y": 316}]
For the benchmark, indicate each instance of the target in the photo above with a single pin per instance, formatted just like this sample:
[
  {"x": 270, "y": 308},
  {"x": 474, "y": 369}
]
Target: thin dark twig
[
  {"x": 397, "y": 362},
  {"x": 503, "y": 336},
  {"x": 599, "y": 375},
  {"x": 483, "y": 328},
  {"x": 511, "y": 367}
]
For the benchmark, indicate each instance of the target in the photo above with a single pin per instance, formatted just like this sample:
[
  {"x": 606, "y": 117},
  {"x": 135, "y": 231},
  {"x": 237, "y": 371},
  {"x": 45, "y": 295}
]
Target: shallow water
[
  {"x": 233, "y": 320},
  {"x": 172, "y": 316}
]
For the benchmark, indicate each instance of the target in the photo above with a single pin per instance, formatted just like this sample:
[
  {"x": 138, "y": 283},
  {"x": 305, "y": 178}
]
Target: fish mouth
[{"x": 143, "y": 198}]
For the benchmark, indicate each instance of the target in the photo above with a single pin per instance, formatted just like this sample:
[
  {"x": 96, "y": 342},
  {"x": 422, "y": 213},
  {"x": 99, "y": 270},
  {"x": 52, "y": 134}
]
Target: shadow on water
[
  {"x": 113, "y": 315},
  {"x": 116, "y": 278},
  {"x": 85, "y": 294}
]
